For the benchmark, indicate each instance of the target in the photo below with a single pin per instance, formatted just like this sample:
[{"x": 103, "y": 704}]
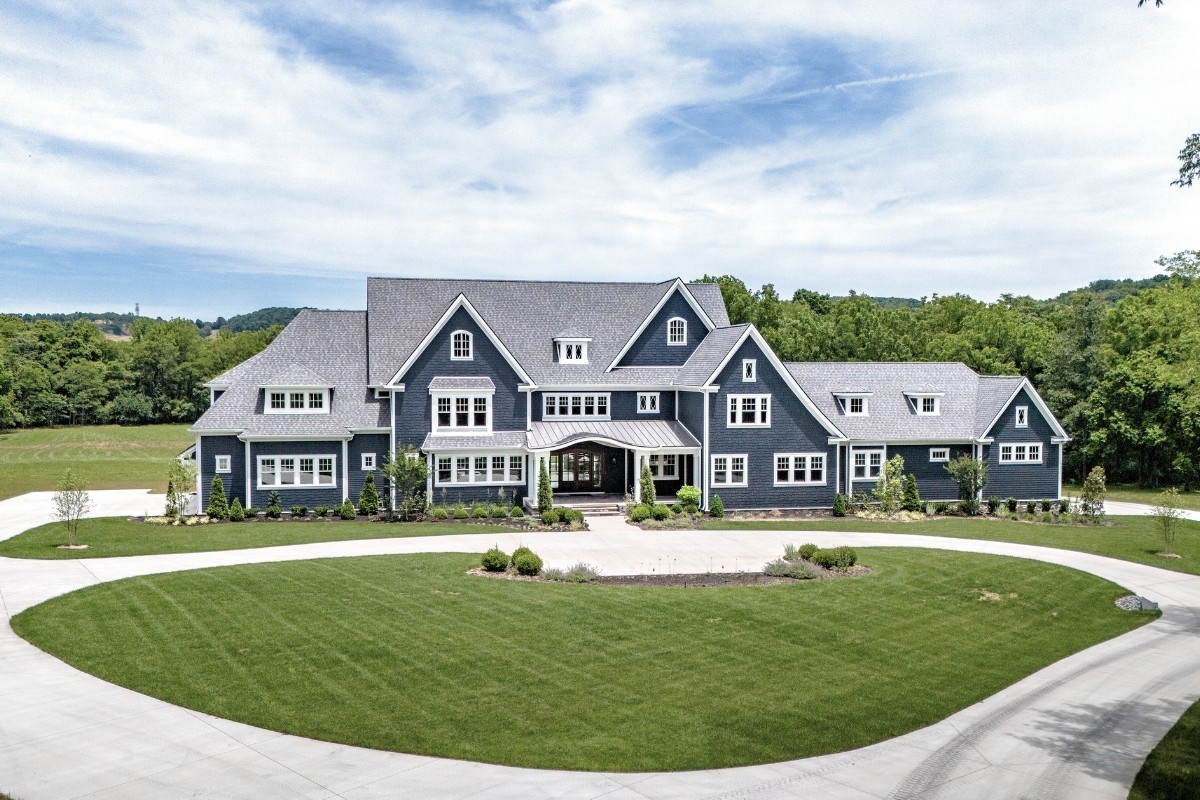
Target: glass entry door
[{"x": 577, "y": 471}]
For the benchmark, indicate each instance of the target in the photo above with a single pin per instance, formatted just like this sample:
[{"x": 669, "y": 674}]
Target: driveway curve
[{"x": 1079, "y": 728}]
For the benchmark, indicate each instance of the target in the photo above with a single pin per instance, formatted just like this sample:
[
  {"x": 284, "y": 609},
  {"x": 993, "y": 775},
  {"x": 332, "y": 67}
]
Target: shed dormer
[
  {"x": 854, "y": 404},
  {"x": 571, "y": 348},
  {"x": 296, "y": 390},
  {"x": 925, "y": 404}
]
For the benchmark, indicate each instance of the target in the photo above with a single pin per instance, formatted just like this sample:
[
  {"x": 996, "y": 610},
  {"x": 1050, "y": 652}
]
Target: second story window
[
  {"x": 926, "y": 405},
  {"x": 647, "y": 402},
  {"x": 1022, "y": 420},
  {"x": 853, "y": 405},
  {"x": 676, "y": 331},
  {"x": 562, "y": 406},
  {"x": 460, "y": 346},
  {"x": 749, "y": 411},
  {"x": 749, "y": 370},
  {"x": 459, "y": 413},
  {"x": 297, "y": 401}
]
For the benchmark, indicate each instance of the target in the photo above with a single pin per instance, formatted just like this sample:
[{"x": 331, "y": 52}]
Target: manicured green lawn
[
  {"x": 119, "y": 536},
  {"x": 1132, "y": 494},
  {"x": 409, "y": 653},
  {"x": 1127, "y": 538},
  {"x": 1172, "y": 770},
  {"x": 105, "y": 456}
]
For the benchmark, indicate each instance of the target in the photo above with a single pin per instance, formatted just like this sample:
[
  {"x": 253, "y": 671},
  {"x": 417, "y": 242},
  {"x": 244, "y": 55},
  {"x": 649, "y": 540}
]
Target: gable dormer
[{"x": 669, "y": 334}]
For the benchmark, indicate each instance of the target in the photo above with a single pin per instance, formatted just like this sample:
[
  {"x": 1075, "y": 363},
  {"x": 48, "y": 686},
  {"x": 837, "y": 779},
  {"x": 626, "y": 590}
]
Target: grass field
[
  {"x": 119, "y": 536},
  {"x": 1132, "y": 494},
  {"x": 409, "y": 653},
  {"x": 1127, "y": 538},
  {"x": 1172, "y": 770},
  {"x": 105, "y": 456}
]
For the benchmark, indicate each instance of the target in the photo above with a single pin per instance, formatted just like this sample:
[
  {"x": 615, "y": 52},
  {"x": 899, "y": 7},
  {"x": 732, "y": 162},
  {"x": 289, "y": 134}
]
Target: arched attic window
[
  {"x": 676, "y": 331},
  {"x": 461, "y": 346}
]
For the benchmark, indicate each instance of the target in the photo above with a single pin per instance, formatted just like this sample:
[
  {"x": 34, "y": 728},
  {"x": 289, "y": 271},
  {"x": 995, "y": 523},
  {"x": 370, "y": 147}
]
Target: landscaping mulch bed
[{"x": 697, "y": 580}]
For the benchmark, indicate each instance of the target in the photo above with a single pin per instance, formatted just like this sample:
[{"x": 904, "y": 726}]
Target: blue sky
[{"x": 210, "y": 159}]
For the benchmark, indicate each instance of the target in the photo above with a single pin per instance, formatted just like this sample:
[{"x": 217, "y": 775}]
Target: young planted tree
[
  {"x": 911, "y": 500},
  {"x": 368, "y": 498},
  {"x": 890, "y": 486},
  {"x": 545, "y": 496},
  {"x": 647, "y": 482},
  {"x": 406, "y": 473},
  {"x": 71, "y": 503},
  {"x": 970, "y": 475},
  {"x": 218, "y": 504},
  {"x": 1167, "y": 513},
  {"x": 181, "y": 482},
  {"x": 1092, "y": 494}
]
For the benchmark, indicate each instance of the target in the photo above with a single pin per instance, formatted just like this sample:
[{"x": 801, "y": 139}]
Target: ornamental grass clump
[{"x": 782, "y": 568}]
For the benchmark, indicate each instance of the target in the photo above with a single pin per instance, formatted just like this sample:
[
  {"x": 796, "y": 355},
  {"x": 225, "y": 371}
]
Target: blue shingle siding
[
  {"x": 622, "y": 405},
  {"x": 376, "y": 443},
  {"x": 234, "y": 480},
  {"x": 1022, "y": 481},
  {"x": 414, "y": 405},
  {"x": 793, "y": 430},
  {"x": 651, "y": 348},
  {"x": 691, "y": 413},
  {"x": 933, "y": 481},
  {"x": 307, "y": 495}
]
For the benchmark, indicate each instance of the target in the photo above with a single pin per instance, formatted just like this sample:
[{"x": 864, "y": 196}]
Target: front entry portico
[{"x": 587, "y": 468}]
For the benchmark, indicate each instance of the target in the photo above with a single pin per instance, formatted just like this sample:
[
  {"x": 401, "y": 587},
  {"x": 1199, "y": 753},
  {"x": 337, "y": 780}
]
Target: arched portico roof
[{"x": 628, "y": 434}]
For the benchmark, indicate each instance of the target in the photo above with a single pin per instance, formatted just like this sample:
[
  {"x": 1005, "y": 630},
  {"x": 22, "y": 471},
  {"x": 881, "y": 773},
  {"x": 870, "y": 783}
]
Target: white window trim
[
  {"x": 844, "y": 404},
  {"x": 287, "y": 392},
  {"x": 729, "y": 470},
  {"x": 562, "y": 348},
  {"x": 807, "y": 469},
  {"x": 374, "y": 462},
  {"x": 917, "y": 404},
  {"x": 934, "y": 458},
  {"x": 1018, "y": 413},
  {"x": 653, "y": 402},
  {"x": 867, "y": 451},
  {"x": 506, "y": 455},
  {"x": 470, "y": 356},
  {"x": 657, "y": 463},
  {"x": 467, "y": 430},
  {"x": 749, "y": 375},
  {"x": 316, "y": 472},
  {"x": 670, "y": 341},
  {"x": 548, "y": 416},
  {"x": 223, "y": 464},
  {"x": 759, "y": 400},
  {"x": 1013, "y": 461}
]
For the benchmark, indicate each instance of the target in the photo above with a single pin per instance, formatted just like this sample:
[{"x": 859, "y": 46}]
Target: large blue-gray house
[{"x": 491, "y": 379}]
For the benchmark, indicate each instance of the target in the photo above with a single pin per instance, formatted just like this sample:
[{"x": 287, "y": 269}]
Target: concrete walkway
[
  {"x": 1077, "y": 729},
  {"x": 1118, "y": 508}
]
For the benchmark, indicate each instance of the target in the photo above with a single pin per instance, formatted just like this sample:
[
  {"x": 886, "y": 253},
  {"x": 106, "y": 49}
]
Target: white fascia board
[
  {"x": 677, "y": 286},
  {"x": 289, "y": 438},
  {"x": 914, "y": 442},
  {"x": 370, "y": 430},
  {"x": 781, "y": 370},
  {"x": 607, "y": 387},
  {"x": 296, "y": 386},
  {"x": 924, "y": 394},
  {"x": 1038, "y": 402},
  {"x": 209, "y": 432},
  {"x": 461, "y": 302}
]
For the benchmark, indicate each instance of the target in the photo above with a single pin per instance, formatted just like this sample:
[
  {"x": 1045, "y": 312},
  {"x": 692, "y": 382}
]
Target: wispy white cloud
[{"x": 898, "y": 150}]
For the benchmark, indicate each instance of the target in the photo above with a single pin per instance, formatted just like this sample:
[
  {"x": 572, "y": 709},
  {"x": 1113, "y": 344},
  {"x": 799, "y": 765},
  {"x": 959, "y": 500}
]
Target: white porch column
[
  {"x": 430, "y": 466},
  {"x": 637, "y": 476}
]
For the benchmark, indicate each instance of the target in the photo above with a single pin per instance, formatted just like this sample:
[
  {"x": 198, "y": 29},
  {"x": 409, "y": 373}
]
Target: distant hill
[{"x": 257, "y": 320}]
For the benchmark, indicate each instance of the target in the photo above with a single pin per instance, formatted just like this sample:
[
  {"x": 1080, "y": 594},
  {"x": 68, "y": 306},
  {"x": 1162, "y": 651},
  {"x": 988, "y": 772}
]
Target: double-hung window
[
  {"x": 564, "y": 406},
  {"x": 297, "y": 401},
  {"x": 1026, "y": 453},
  {"x": 799, "y": 468},
  {"x": 729, "y": 470},
  {"x": 283, "y": 472},
  {"x": 867, "y": 464},
  {"x": 492, "y": 470},
  {"x": 749, "y": 411},
  {"x": 664, "y": 466},
  {"x": 462, "y": 413},
  {"x": 647, "y": 402},
  {"x": 461, "y": 346}
]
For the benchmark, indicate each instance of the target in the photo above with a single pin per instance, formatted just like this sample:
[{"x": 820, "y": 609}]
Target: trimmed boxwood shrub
[
  {"x": 517, "y": 511},
  {"x": 440, "y": 512},
  {"x": 460, "y": 511},
  {"x": 479, "y": 511},
  {"x": 495, "y": 560},
  {"x": 839, "y": 558},
  {"x": 716, "y": 507},
  {"x": 251, "y": 512},
  {"x": 639, "y": 513},
  {"x": 806, "y": 551},
  {"x": 840, "y": 502},
  {"x": 526, "y": 561},
  {"x": 497, "y": 511},
  {"x": 236, "y": 512},
  {"x": 570, "y": 515},
  {"x": 550, "y": 517},
  {"x": 321, "y": 512},
  {"x": 660, "y": 512}
]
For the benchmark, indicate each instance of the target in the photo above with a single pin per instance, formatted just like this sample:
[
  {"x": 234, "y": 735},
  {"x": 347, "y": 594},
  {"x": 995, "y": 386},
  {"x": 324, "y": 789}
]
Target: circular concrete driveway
[{"x": 1078, "y": 729}]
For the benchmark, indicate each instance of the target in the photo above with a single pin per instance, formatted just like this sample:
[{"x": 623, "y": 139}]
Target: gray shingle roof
[
  {"x": 890, "y": 417},
  {"x": 445, "y": 384},
  {"x": 526, "y": 316},
  {"x": 994, "y": 392},
  {"x": 709, "y": 354},
  {"x": 504, "y": 440},
  {"x": 330, "y": 345},
  {"x": 648, "y": 434},
  {"x": 294, "y": 375}
]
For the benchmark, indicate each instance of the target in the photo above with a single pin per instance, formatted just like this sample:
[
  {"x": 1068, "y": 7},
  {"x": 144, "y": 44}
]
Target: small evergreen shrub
[
  {"x": 545, "y": 498},
  {"x": 368, "y": 498},
  {"x": 460, "y": 511},
  {"x": 518, "y": 512},
  {"x": 689, "y": 497},
  {"x": 639, "y": 513},
  {"x": 274, "y": 512},
  {"x": 495, "y": 560},
  {"x": 1046, "y": 505},
  {"x": 236, "y": 512},
  {"x": 218, "y": 506},
  {"x": 251, "y": 512},
  {"x": 660, "y": 513},
  {"x": 299, "y": 511},
  {"x": 1031, "y": 507},
  {"x": 806, "y": 551},
  {"x": 993, "y": 504},
  {"x": 782, "y": 568},
  {"x": 440, "y": 512},
  {"x": 347, "y": 510},
  {"x": 1011, "y": 505},
  {"x": 647, "y": 484},
  {"x": 840, "y": 502},
  {"x": 570, "y": 515},
  {"x": 941, "y": 508},
  {"x": 526, "y": 562},
  {"x": 716, "y": 507},
  {"x": 479, "y": 511},
  {"x": 839, "y": 558},
  {"x": 550, "y": 517},
  {"x": 910, "y": 498},
  {"x": 1064, "y": 506},
  {"x": 969, "y": 507},
  {"x": 677, "y": 509},
  {"x": 496, "y": 511},
  {"x": 823, "y": 558},
  {"x": 321, "y": 512}
]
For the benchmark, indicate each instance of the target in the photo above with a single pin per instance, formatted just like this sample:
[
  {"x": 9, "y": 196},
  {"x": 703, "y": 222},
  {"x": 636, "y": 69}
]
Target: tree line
[
  {"x": 1118, "y": 361},
  {"x": 54, "y": 373}
]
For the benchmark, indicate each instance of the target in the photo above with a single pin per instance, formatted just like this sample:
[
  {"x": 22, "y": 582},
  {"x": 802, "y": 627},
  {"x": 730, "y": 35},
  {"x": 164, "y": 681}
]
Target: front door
[{"x": 577, "y": 471}]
